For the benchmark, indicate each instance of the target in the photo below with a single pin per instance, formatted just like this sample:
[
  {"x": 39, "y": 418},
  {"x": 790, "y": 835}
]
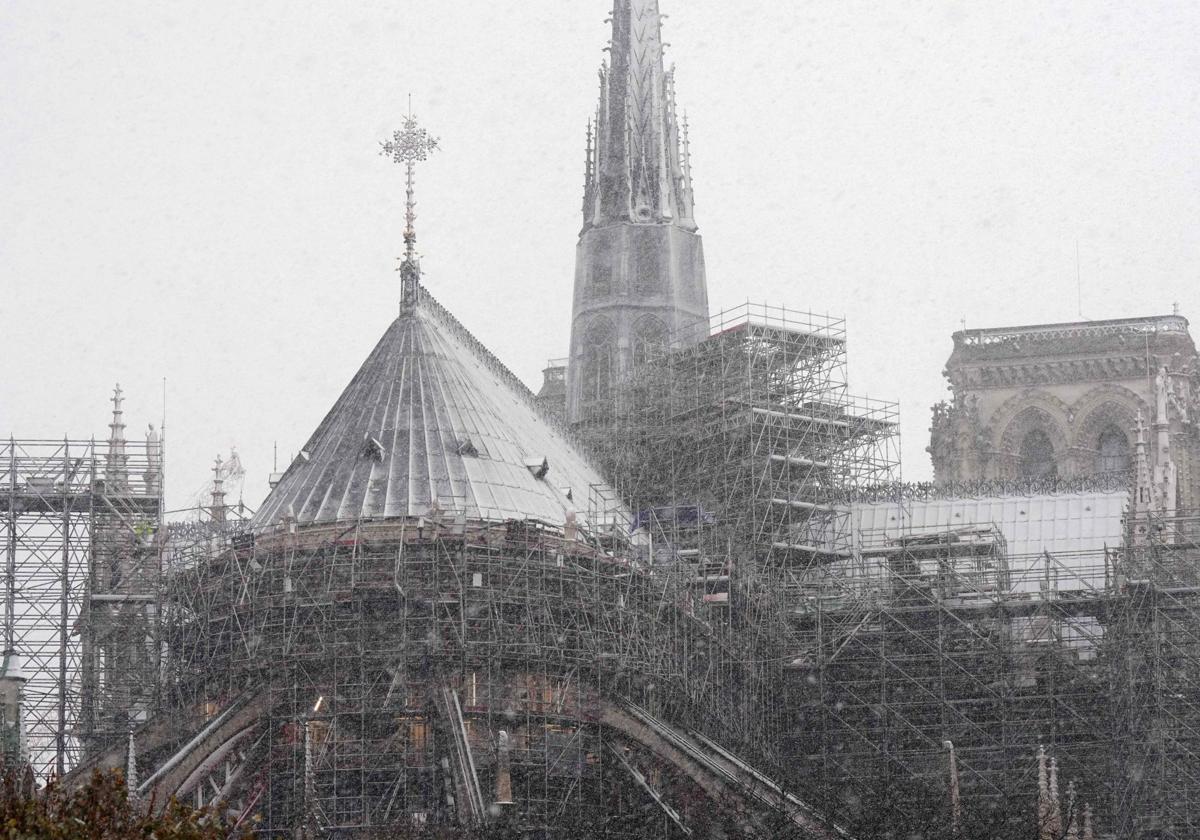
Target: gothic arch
[
  {"x": 650, "y": 339},
  {"x": 1004, "y": 416},
  {"x": 1033, "y": 429},
  {"x": 1102, "y": 406},
  {"x": 1097, "y": 414},
  {"x": 1099, "y": 420}
]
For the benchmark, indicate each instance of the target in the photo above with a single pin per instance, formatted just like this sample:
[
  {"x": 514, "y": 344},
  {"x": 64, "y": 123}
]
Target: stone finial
[
  {"x": 1044, "y": 802},
  {"x": 1087, "y": 832},
  {"x": 1056, "y": 814},
  {"x": 955, "y": 792},
  {"x": 1073, "y": 815},
  {"x": 217, "y": 505},
  {"x": 116, "y": 460},
  {"x": 131, "y": 772},
  {"x": 503, "y": 771}
]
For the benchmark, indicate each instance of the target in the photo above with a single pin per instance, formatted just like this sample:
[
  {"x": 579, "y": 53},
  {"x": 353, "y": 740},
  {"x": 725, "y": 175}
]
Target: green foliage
[{"x": 100, "y": 810}]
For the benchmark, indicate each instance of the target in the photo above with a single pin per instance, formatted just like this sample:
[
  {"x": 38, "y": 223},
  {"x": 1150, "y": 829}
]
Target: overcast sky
[{"x": 192, "y": 190}]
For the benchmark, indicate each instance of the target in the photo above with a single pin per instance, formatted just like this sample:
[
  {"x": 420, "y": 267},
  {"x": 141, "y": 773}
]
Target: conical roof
[{"x": 433, "y": 420}]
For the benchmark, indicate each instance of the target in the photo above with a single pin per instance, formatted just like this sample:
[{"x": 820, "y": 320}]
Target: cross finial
[{"x": 408, "y": 146}]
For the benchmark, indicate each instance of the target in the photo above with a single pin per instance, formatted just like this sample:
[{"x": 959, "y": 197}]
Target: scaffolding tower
[
  {"x": 751, "y": 426},
  {"x": 1156, "y": 678},
  {"x": 741, "y": 451},
  {"x": 81, "y": 583}
]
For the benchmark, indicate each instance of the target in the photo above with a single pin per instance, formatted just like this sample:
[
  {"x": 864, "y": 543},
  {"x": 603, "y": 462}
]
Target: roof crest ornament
[{"x": 408, "y": 146}]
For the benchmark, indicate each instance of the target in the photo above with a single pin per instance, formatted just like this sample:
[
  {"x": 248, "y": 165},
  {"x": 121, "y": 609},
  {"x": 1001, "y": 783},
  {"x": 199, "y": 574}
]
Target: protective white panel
[{"x": 1073, "y": 529}]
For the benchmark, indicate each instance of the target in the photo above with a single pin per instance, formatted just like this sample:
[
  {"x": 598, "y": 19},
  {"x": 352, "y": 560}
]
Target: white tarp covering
[{"x": 1073, "y": 528}]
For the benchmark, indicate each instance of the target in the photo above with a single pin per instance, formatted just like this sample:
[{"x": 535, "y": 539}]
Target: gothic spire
[
  {"x": 408, "y": 146},
  {"x": 638, "y": 175},
  {"x": 639, "y": 268},
  {"x": 1056, "y": 814},
  {"x": 955, "y": 791},
  {"x": 131, "y": 772},
  {"x": 116, "y": 462},
  {"x": 1043, "y": 803},
  {"x": 1073, "y": 816},
  {"x": 217, "y": 506}
]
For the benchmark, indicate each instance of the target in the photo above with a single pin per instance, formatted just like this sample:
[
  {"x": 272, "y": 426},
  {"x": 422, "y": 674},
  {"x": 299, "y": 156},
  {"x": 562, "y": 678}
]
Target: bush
[{"x": 99, "y": 810}]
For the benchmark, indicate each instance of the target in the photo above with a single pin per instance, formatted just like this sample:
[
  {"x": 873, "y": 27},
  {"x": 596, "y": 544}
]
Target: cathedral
[
  {"x": 444, "y": 615},
  {"x": 679, "y": 592}
]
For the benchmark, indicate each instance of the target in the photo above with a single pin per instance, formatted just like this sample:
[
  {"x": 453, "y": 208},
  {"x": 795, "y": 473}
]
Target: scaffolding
[
  {"x": 926, "y": 640},
  {"x": 439, "y": 668},
  {"x": 80, "y": 521},
  {"x": 864, "y": 653},
  {"x": 427, "y": 670},
  {"x": 742, "y": 452},
  {"x": 751, "y": 426},
  {"x": 1156, "y": 679}
]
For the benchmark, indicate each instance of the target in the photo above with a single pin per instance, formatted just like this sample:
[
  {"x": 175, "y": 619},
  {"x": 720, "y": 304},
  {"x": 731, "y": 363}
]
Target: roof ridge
[{"x": 447, "y": 319}]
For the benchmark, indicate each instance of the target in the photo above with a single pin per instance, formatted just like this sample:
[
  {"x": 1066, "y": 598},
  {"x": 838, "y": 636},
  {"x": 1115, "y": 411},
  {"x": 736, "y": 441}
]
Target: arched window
[
  {"x": 649, "y": 340},
  {"x": 1112, "y": 451},
  {"x": 597, "y": 362},
  {"x": 1037, "y": 456}
]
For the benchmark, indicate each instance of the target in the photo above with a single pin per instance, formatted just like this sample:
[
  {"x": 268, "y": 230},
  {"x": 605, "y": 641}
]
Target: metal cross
[{"x": 408, "y": 146}]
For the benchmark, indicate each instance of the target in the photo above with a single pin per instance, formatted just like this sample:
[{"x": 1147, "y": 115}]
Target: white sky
[{"x": 192, "y": 190}]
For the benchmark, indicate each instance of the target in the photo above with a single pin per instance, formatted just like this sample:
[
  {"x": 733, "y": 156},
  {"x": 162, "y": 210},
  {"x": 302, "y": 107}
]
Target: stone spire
[
  {"x": 639, "y": 270},
  {"x": 116, "y": 460},
  {"x": 1043, "y": 803},
  {"x": 1087, "y": 833},
  {"x": 1166, "y": 477},
  {"x": 1073, "y": 816},
  {"x": 217, "y": 506},
  {"x": 1056, "y": 815},
  {"x": 131, "y": 772},
  {"x": 637, "y": 171},
  {"x": 955, "y": 791},
  {"x": 1156, "y": 476}
]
